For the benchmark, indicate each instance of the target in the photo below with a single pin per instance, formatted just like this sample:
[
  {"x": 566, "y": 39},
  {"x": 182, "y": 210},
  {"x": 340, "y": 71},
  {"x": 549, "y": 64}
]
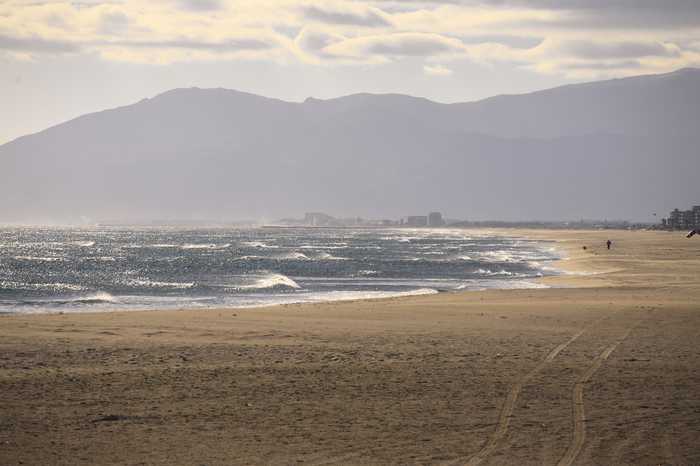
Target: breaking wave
[
  {"x": 156, "y": 284},
  {"x": 273, "y": 280},
  {"x": 492, "y": 272},
  {"x": 100, "y": 297},
  {"x": 205, "y": 246},
  {"x": 10, "y": 286},
  {"x": 38, "y": 259},
  {"x": 329, "y": 257},
  {"x": 292, "y": 256},
  {"x": 259, "y": 244}
]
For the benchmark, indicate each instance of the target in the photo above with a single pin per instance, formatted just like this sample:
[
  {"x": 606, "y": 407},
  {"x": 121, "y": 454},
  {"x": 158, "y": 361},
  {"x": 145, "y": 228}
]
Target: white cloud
[
  {"x": 543, "y": 36},
  {"x": 437, "y": 70},
  {"x": 393, "y": 45}
]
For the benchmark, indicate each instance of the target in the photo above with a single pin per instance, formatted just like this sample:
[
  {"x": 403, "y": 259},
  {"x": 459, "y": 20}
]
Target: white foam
[
  {"x": 259, "y": 244},
  {"x": 99, "y": 296},
  {"x": 498, "y": 256},
  {"x": 83, "y": 244},
  {"x": 10, "y": 285},
  {"x": 292, "y": 256},
  {"x": 159, "y": 246},
  {"x": 482, "y": 285},
  {"x": 156, "y": 284},
  {"x": 205, "y": 246},
  {"x": 38, "y": 259},
  {"x": 329, "y": 257},
  {"x": 491, "y": 272},
  {"x": 274, "y": 280},
  {"x": 325, "y": 246},
  {"x": 358, "y": 295}
]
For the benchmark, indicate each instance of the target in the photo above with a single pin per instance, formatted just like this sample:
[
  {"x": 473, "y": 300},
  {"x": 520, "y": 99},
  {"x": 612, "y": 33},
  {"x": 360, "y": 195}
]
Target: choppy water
[{"x": 53, "y": 270}]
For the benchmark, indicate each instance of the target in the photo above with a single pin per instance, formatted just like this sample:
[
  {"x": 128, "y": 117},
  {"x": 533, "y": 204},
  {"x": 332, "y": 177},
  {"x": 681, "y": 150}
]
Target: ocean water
[{"x": 111, "y": 268}]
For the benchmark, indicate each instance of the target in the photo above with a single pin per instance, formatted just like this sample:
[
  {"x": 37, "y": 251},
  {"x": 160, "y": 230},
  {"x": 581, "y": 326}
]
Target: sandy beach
[{"x": 601, "y": 368}]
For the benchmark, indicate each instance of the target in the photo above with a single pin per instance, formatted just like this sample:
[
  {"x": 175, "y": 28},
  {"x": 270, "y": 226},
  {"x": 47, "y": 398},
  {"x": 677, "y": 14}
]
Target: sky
[{"x": 60, "y": 59}]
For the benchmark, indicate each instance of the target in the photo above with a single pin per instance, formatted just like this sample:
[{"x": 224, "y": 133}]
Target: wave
[
  {"x": 294, "y": 256},
  {"x": 100, "y": 297},
  {"x": 38, "y": 259},
  {"x": 325, "y": 246},
  {"x": 259, "y": 244},
  {"x": 102, "y": 259},
  {"x": 491, "y": 272},
  {"x": 205, "y": 246},
  {"x": 274, "y": 280},
  {"x": 368, "y": 273},
  {"x": 400, "y": 239},
  {"x": 482, "y": 285},
  {"x": 253, "y": 257},
  {"x": 278, "y": 257},
  {"x": 156, "y": 284},
  {"x": 329, "y": 257},
  {"x": 543, "y": 268},
  {"x": 151, "y": 246},
  {"x": 10, "y": 285},
  {"x": 357, "y": 295},
  {"x": 83, "y": 244},
  {"x": 498, "y": 256}
]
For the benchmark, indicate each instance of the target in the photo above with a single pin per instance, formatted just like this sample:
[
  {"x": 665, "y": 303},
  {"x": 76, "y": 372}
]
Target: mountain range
[{"x": 622, "y": 149}]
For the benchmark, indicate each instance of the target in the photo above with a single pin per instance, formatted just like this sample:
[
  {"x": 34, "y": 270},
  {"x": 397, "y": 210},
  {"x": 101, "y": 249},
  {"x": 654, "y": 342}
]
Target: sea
[{"x": 52, "y": 270}]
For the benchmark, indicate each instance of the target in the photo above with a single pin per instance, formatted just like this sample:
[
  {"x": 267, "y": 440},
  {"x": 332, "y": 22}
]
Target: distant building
[
  {"x": 417, "y": 221},
  {"x": 318, "y": 219},
  {"x": 435, "y": 219},
  {"x": 683, "y": 219}
]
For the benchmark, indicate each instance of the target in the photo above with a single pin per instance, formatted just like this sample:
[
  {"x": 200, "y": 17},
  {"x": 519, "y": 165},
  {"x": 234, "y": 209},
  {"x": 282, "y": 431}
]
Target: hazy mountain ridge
[{"x": 620, "y": 148}]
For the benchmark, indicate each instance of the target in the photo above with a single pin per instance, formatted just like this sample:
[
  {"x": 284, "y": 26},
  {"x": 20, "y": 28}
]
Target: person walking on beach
[{"x": 609, "y": 243}]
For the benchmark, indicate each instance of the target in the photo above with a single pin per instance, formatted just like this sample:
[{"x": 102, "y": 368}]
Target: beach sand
[{"x": 607, "y": 372}]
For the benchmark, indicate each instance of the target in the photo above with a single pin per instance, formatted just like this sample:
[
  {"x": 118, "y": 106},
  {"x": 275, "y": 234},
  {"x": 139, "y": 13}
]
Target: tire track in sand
[
  {"x": 579, "y": 414},
  {"x": 512, "y": 398}
]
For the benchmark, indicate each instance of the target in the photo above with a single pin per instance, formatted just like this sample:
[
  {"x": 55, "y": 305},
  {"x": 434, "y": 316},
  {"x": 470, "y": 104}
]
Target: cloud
[
  {"x": 367, "y": 17},
  {"x": 545, "y": 36},
  {"x": 37, "y": 45},
  {"x": 200, "y": 5},
  {"x": 396, "y": 45},
  {"x": 513, "y": 41},
  {"x": 437, "y": 70},
  {"x": 605, "y": 50},
  {"x": 607, "y": 66},
  {"x": 312, "y": 40},
  {"x": 229, "y": 45},
  {"x": 113, "y": 22}
]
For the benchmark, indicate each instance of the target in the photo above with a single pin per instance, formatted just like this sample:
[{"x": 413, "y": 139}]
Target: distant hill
[{"x": 613, "y": 149}]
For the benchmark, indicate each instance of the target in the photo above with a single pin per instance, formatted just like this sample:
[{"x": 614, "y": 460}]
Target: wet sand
[{"x": 604, "y": 373}]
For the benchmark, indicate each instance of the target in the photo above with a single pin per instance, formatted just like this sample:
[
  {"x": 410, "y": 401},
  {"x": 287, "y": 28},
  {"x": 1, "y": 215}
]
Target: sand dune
[{"x": 603, "y": 373}]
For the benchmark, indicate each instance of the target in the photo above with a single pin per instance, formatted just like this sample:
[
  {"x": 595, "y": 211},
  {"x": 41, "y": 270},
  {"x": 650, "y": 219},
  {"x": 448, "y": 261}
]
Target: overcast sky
[{"x": 62, "y": 59}]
